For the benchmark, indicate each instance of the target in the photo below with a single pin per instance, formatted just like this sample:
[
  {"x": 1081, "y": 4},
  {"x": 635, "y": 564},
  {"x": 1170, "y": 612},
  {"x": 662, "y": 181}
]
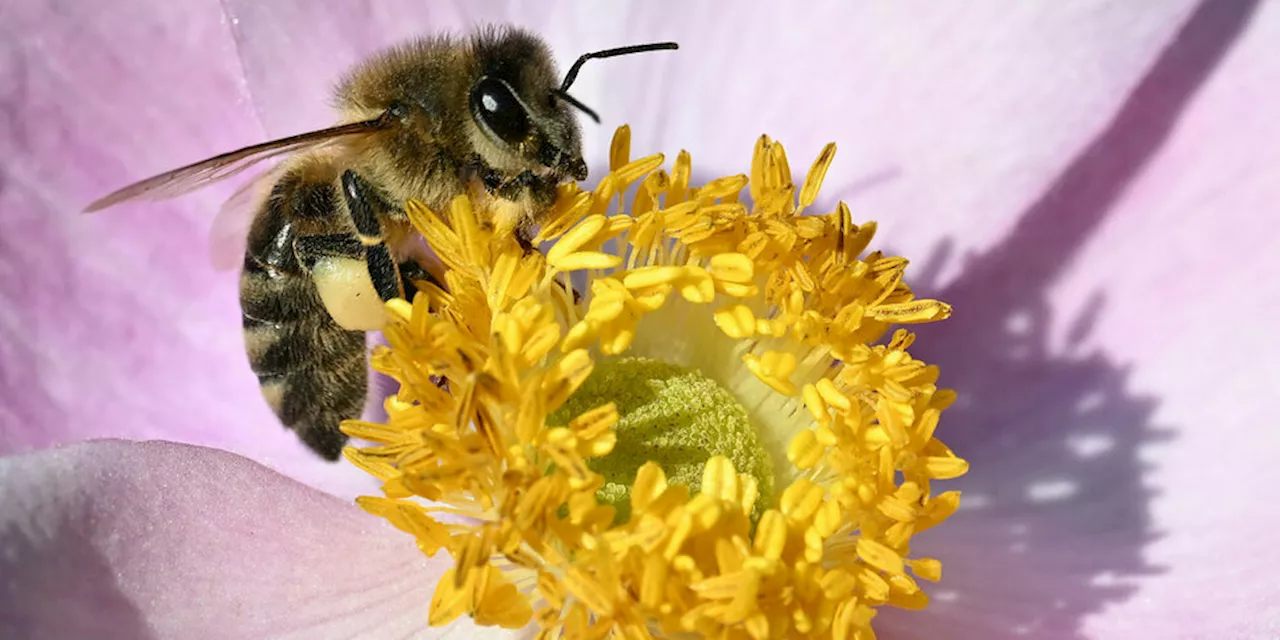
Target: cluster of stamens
[{"x": 480, "y": 455}]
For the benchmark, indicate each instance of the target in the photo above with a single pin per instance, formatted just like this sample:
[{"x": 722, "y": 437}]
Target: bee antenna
[
  {"x": 562, "y": 95},
  {"x": 608, "y": 53}
]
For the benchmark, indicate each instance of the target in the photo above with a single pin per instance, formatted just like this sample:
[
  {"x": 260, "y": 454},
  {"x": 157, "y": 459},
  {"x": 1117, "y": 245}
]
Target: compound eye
[{"x": 498, "y": 109}]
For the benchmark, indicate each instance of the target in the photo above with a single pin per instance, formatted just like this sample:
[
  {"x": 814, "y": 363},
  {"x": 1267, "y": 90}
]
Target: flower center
[
  {"x": 670, "y": 415},
  {"x": 683, "y": 419}
]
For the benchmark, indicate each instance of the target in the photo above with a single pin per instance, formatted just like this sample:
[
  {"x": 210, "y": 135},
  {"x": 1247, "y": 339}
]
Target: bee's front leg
[
  {"x": 514, "y": 188},
  {"x": 411, "y": 274},
  {"x": 475, "y": 168},
  {"x": 539, "y": 191}
]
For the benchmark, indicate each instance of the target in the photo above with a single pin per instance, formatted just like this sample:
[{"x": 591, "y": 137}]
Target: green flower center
[{"x": 670, "y": 415}]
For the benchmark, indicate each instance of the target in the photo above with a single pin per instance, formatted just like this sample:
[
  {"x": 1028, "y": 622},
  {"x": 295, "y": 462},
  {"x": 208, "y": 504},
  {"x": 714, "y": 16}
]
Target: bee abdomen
[{"x": 312, "y": 372}]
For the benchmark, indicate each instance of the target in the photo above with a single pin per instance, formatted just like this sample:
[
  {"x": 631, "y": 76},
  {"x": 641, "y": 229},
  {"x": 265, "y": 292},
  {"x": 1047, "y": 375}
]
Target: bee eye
[{"x": 498, "y": 109}]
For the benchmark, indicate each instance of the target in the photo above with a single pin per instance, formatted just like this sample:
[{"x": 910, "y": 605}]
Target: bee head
[
  {"x": 496, "y": 95},
  {"x": 523, "y": 107},
  {"x": 511, "y": 105}
]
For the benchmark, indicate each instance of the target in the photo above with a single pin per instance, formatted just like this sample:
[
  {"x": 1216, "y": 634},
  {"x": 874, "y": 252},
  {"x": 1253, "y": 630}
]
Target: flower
[
  {"x": 1075, "y": 179},
  {"x": 706, "y": 440}
]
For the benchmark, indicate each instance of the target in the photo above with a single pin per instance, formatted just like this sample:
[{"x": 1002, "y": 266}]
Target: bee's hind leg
[
  {"x": 310, "y": 249},
  {"x": 361, "y": 202},
  {"x": 354, "y": 273},
  {"x": 337, "y": 266}
]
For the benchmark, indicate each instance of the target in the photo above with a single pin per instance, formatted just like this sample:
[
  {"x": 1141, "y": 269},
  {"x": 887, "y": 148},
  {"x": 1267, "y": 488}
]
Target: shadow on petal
[
  {"x": 75, "y": 596},
  {"x": 1056, "y": 509},
  {"x": 157, "y": 539}
]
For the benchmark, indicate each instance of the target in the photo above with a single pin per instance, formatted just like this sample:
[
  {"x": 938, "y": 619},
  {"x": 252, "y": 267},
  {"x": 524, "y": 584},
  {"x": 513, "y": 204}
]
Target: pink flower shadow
[{"x": 1058, "y": 505}]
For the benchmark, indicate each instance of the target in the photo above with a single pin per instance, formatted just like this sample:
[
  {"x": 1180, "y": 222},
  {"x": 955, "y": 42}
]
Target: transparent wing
[
  {"x": 230, "y": 228},
  {"x": 194, "y": 176}
]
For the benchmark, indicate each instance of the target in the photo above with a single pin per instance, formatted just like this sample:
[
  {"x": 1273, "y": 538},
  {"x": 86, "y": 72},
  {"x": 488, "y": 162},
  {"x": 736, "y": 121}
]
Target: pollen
[{"x": 695, "y": 414}]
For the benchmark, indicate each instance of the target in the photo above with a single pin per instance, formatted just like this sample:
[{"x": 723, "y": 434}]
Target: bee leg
[
  {"x": 309, "y": 249},
  {"x": 540, "y": 190},
  {"x": 361, "y": 202},
  {"x": 337, "y": 264},
  {"x": 384, "y": 272},
  {"x": 492, "y": 180},
  {"x": 577, "y": 297},
  {"x": 411, "y": 273},
  {"x": 476, "y": 168},
  {"x": 524, "y": 238},
  {"x": 515, "y": 187}
]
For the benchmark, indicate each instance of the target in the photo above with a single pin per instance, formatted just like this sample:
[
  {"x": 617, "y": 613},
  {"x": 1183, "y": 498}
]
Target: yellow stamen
[{"x": 794, "y": 455}]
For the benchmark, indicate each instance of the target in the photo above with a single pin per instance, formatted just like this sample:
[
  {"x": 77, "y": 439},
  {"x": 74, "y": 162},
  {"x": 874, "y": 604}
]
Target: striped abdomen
[{"x": 312, "y": 372}]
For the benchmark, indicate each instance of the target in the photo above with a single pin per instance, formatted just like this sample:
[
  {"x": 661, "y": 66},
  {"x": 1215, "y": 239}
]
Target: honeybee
[{"x": 483, "y": 114}]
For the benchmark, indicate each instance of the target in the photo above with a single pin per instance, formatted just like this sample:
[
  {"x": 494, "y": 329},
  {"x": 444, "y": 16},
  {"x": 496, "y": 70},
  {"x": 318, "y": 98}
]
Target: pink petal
[
  {"x": 156, "y": 539},
  {"x": 1113, "y": 210},
  {"x": 1119, "y": 452},
  {"x": 1104, "y": 162},
  {"x": 1120, "y": 446}
]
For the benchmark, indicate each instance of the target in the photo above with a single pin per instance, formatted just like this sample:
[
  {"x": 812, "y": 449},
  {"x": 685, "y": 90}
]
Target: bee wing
[
  {"x": 193, "y": 176},
  {"x": 230, "y": 228}
]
